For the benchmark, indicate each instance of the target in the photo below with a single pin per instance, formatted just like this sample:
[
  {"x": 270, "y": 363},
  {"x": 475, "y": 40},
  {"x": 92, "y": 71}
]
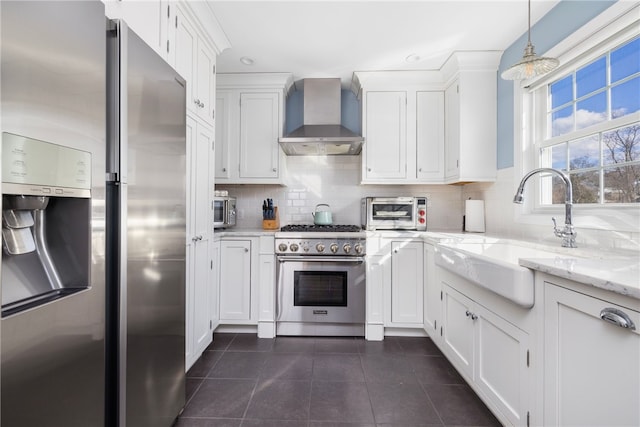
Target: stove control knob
[
  {"x": 282, "y": 247},
  {"x": 293, "y": 247},
  {"x": 358, "y": 248},
  {"x": 320, "y": 247},
  {"x": 334, "y": 247},
  {"x": 346, "y": 248}
]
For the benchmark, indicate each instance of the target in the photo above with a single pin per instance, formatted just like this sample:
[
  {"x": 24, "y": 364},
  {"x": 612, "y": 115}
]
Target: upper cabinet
[
  {"x": 430, "y": 127},
  {"x": 403, "y": 127},
  {"x": 148, "y": 19},
  {"x": 471, "y": 117},
  {"x": 250, "y": 119}
]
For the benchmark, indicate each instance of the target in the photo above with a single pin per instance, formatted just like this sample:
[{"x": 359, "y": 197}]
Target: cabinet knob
[
  {"x": 246, "y": 250},
  {"x": 368, "y": 169},
  {"x": 224, "y": 169},
  {"x": 395, "y": 251},
  {"x": 471, "y": 315},
  {"x": 274, "y": 169},
  {"x": 419, "y": 169},
  {"x": 194, "y": 239}
]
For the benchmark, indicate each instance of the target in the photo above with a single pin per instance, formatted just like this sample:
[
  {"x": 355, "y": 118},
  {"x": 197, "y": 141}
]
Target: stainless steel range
[{"x": 321, "y": 280}]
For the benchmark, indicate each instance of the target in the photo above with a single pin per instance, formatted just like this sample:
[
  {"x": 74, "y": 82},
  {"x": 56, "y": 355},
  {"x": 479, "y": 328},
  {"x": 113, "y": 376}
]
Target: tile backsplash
[{"x": 335, "y": 180}]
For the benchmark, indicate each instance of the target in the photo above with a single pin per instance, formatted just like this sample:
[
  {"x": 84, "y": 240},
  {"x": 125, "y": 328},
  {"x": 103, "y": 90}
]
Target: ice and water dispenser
[{"x": 46, "y": 222}]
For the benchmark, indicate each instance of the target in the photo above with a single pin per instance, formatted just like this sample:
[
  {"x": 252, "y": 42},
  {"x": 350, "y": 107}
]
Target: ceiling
[{"x": 335, "y": 38}]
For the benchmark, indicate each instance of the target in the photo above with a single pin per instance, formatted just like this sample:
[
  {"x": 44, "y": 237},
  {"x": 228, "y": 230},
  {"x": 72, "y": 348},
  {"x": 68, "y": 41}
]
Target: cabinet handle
[
  {"x": 419, "y": 169},
  {"x": 617, "y": 317},
  {"x": 194, "y": 239},
  {"x": 224, "y": 169}
]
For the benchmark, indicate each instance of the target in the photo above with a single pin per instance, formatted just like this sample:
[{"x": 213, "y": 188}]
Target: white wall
[
  {"x": 335, "y": 180},
  {"x": 501, "y": 218}
]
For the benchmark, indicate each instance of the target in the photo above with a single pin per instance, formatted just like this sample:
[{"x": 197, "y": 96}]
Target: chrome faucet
[{"x": 568, "y": 234}]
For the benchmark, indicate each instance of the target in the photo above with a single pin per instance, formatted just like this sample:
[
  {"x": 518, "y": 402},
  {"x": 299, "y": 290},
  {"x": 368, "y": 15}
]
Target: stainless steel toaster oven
[{"x": 394, "y": 213}]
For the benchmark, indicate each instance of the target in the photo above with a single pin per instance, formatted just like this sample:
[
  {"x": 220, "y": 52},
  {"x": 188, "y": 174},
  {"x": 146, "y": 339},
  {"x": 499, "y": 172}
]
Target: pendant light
[{"x": 530, "y": 65}]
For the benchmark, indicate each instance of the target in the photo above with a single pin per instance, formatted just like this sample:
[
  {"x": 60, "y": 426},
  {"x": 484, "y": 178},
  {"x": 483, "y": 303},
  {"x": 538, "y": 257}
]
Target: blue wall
[
  {"x": 350, "y": 111},
  {"x": 561, "y": 21}
]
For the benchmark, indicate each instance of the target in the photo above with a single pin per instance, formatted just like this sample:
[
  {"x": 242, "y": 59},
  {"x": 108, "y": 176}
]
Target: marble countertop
[
  {"x": 619, "y": 275},
  {"x": 243, "y": 232}
]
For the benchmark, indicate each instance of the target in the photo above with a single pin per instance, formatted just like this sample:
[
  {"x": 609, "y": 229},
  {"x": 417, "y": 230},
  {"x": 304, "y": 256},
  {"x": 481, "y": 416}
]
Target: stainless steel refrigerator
[{"x": 93, "y": 221}]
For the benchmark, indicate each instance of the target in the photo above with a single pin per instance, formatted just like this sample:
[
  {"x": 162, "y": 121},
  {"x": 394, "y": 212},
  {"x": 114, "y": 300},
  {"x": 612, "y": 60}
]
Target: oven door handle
[{"x": 352, "y": 260}]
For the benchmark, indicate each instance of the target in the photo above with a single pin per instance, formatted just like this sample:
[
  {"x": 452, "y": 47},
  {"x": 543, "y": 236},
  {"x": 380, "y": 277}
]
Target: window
[{"x": 592, "y": 128}]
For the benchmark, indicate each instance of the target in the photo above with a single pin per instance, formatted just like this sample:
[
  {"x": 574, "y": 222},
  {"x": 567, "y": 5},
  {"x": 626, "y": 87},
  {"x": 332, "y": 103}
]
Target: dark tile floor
[{"x": 244, "y": 381}]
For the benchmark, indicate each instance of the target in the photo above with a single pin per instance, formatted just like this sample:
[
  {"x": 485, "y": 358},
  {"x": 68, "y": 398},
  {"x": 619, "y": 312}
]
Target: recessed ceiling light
[
  {"x": 412, "y": 58},
  {"x": 246, "y": 60}
]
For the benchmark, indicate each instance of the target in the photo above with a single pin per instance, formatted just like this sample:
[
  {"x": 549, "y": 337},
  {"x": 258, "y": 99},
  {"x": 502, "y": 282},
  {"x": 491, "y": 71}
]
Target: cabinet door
[
  {"x": 452, "y": 131},
  {"x": 215, "y": 284},
  {"x": 223, "y": 134},
  {"x": 186, "y": 45},
  {"x": 457, "y": 325},
  {"x": 430, "y": 136},
  {"x": 146, "y": 19},
  {"x": 199, "y": 220},
  {"x": 235, "y": 280},
  {"x": 407, "y": 282},
  {"x": 432, "y": 302},
  {"x": 386, "y": 135},
  {"x": 501, "y": 364},
  {"x": 591, "y": 367},
  {"x": 205, "y": 82},
  {"x": 259, "y": 132}
]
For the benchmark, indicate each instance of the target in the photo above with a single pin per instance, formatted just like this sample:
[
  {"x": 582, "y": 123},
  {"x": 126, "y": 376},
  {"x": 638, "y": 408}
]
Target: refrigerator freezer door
[
  {"x": 53, "y": 63},
  {"x": 152, "y": 198}
]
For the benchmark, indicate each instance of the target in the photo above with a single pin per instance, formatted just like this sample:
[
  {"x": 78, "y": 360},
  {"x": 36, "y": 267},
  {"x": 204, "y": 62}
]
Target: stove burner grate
[{"x": 322, "y": 228}]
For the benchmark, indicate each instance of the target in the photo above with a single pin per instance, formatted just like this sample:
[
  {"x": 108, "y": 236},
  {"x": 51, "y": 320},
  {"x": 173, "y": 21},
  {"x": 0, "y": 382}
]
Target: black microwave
[{"x": 224, "y": 212}]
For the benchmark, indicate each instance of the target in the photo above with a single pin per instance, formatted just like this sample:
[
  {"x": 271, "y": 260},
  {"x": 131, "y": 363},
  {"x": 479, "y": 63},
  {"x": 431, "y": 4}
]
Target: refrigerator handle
[{"x": 116, "y": 101}]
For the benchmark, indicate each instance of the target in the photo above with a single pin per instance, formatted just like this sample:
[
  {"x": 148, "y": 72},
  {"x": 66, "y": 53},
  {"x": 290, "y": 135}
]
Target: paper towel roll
[{"x": 474, "y": 215}]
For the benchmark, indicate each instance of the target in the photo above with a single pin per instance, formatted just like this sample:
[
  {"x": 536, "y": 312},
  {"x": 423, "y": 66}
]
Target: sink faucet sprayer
[{"x": 568, "y": 234}]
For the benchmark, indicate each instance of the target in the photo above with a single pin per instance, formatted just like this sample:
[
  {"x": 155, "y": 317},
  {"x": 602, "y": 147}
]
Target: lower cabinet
[
  {"x": 235, "y": 280},
  {"x": 490, "y": 352},
  {"x": 591, "y": 366},
  {"x": 247, "y": 276},
  {"x": 407, "y": 283}
]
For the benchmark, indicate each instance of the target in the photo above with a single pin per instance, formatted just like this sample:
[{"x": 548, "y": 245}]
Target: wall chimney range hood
[{"x": 321, "y": 132}]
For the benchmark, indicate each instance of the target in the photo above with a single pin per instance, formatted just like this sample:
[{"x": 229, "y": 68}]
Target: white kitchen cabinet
[
  {"x": 407, "y": 283},
  {"x": 591, "y": 367},
  {"x": 385, "y": 126},
  {"x": 199, "y": 322},
  {"x": 150, "y": 20},
  {"x": 260, "y": 128},
  {"x": 432, "y": 294},
  {"x": 490, "y": 352},
  {"x": 235, "y": 280},
  {"x": 250, "y": 109},
  {"x": 470, "y": 118},
  {"x": 429, "y": 136},
  {"x": 403, "y": 126},
  {"x": 395, "y": 281},
  {"x": 195, "y": 60},
  {"x": 223, "y": 138}
]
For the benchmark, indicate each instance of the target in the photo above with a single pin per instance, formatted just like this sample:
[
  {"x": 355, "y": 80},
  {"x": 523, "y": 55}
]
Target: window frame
[{"x": 615, "y": 26}]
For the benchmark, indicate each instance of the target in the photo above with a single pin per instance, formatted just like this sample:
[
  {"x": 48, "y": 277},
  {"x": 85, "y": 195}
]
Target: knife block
[{"x": 272, "y": 224}]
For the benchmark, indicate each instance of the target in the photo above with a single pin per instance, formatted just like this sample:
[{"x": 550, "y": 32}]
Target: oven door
[{"x": 320, "y": 289}]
